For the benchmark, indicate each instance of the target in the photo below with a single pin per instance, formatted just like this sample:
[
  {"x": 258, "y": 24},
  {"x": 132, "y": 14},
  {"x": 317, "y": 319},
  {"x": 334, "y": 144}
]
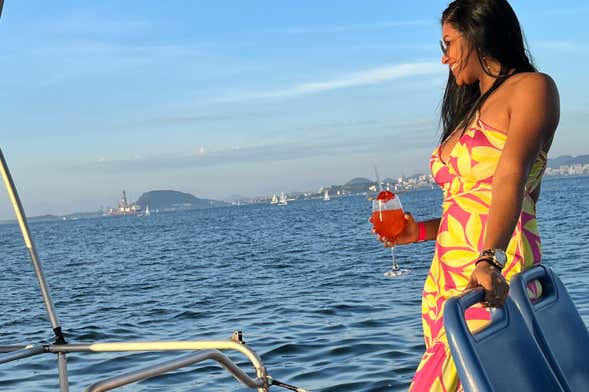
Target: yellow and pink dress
[{"x": 466, "y": 182}]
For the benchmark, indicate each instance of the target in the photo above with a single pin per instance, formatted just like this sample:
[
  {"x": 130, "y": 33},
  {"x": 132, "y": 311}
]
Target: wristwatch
[{"x": 496, "y": 257}]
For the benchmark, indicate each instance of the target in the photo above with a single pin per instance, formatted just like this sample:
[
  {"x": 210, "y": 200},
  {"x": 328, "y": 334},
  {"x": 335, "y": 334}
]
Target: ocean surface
[{"x": 304, "y": 283}]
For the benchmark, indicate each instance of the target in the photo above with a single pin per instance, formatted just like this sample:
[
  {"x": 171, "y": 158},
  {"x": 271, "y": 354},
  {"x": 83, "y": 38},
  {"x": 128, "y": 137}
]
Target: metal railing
[{"x": 210, "y": 351}]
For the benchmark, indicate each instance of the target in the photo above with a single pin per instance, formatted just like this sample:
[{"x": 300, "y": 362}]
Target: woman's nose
[{"x": 445, "y": 59}]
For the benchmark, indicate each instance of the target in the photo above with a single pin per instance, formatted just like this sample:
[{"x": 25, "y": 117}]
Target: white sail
[
  {"x": 274, "y": 199},
  {"x": 326, "y": 195},
  {"x": 147, "y": 213},
  {"x": 282, "y": 201}
]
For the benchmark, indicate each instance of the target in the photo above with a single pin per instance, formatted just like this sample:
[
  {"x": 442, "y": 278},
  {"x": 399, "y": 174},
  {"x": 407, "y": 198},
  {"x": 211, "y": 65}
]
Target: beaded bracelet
[{"x": 490, "y": 261}]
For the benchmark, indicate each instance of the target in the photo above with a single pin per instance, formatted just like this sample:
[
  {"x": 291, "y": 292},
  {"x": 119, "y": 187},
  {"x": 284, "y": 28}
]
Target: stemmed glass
[{"x": 388, "y": 221}]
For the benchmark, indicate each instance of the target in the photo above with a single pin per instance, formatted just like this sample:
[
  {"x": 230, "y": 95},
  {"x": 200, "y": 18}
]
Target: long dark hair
[{"x": 492, "y": 28}]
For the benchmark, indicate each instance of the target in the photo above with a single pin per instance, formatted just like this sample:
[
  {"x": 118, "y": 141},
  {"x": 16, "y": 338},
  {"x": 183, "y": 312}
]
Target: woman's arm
[
  {"x": 410, "y": 233},
  {"x": 534, "y": 115}
]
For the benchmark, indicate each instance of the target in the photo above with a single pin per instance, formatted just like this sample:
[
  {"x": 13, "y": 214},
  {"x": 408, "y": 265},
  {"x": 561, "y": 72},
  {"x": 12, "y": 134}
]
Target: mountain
[
  {"x": 168, "y": 200},
  {"x": 568, "y": 160},
  {"x": 358, "y": 180},
  {"x": 357, "y": 185}
]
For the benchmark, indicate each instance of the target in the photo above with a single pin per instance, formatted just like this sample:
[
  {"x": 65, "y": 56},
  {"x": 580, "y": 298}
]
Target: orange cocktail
[
  {"x": 387, "y": 215},
  {"x": 388, "y": 223}
]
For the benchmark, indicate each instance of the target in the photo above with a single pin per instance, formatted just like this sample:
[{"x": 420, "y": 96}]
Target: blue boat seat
[
  {"x": 502, "y": 357},
  {"x": 556, "y": 325}
]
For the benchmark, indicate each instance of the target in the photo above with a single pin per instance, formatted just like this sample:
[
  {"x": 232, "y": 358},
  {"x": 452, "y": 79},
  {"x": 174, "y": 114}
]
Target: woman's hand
[
  {"x": 489, "y": 277},
  {"x": 409, "y": 234}
]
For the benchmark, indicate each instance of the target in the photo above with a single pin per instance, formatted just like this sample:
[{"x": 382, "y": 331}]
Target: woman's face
[{"x": 460, "y": 56}]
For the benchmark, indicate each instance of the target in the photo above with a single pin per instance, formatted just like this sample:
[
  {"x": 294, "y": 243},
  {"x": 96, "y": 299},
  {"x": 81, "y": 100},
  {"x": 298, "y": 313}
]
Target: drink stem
[{"x": 395, "y": 265}]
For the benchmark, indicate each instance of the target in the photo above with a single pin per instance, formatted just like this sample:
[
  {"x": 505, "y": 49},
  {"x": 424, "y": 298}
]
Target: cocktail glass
[{"x": 388, "y": 220}]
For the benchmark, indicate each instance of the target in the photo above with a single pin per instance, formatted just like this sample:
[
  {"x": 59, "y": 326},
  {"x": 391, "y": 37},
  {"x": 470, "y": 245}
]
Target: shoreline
[{"x": 99, "y": 214}]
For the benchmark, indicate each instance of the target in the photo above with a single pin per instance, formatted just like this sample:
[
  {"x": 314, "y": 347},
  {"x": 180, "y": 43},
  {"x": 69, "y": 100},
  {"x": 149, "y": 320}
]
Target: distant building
[{"x": 577, "y": 169}]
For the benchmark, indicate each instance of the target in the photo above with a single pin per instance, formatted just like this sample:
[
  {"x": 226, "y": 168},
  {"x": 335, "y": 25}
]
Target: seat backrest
[
  {"x": 556, "y": 325},
  {"x": 502, "y": 357}
]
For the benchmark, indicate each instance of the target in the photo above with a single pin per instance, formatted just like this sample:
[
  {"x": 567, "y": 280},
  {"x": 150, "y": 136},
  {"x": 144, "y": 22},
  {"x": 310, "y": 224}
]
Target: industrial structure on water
[{"x": 124, "y": 207}]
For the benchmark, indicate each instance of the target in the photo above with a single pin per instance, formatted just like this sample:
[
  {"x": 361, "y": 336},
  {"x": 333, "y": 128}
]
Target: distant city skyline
[{"x": 216, "y": 98}]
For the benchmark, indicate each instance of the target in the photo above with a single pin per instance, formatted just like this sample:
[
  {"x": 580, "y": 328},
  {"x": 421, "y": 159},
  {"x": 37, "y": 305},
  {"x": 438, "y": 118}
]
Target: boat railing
[{"x": 210, "y": 351}]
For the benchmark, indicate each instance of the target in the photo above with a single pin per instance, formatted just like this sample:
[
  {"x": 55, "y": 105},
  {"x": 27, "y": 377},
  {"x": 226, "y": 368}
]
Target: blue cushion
[
  {"x": 556, "y": 325},
  {"x": 502, "y": 357}
]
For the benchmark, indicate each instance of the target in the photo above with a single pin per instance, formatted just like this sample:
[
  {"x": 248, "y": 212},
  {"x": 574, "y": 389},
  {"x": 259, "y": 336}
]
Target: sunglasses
[{"x": 444, "y": 47}]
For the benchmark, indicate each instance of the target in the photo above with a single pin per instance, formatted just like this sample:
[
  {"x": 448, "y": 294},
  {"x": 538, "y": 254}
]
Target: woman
[{"x": 499, "y": 116}]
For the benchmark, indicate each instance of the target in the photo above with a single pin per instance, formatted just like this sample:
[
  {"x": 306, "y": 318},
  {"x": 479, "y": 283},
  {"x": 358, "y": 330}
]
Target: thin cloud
[
  {"x": 581, "y": 116},
  {"x": 197, "y": 119},
  {"x": 203, "y": 158},
  {"x": 84, "y": 22},
  {"x": 417, "y": 135},
  {"x": 562, "y": 11},
  {"x": 425, "y": 47},
  {"x": 334, "y": 128},
  {"x": 358, "y": 27},
  {"x": 363, "y": 78},
  {"x": 565, "y": 46}
]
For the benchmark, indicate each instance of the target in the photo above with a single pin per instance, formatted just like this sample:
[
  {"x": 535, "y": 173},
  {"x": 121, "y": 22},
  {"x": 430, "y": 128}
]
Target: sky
[{"x": 220, "y": 98}]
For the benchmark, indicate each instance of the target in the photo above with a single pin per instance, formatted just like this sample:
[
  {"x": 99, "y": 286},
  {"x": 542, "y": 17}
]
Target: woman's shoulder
[
  {"x": 532, "y": 82},
  {"x": 535, "y": 95},
  {"x": 527, "y": 89}
]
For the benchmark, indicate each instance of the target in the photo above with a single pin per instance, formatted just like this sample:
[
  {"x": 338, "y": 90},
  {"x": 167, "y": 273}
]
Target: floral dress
[{"x": 466, "y": 182}]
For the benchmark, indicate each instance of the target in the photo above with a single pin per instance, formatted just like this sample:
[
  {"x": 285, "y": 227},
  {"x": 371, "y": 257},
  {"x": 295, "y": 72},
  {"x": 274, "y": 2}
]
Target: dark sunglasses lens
[{"x": 443, "y": 47}]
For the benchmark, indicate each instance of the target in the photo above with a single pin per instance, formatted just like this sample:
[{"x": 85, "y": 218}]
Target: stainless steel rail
[
  {"x": 235, "y": 344},
  {"x": 24, "y": 228},
  {"x": 261, "y": 382},
  {"x": 9, "y": 349},
  {"x": 162, "y": 368},
  {"x": 26, "y": 352}
]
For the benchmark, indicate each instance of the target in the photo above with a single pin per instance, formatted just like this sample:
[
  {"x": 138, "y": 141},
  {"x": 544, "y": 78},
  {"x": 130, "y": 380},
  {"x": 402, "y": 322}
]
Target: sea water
[{"x": 304, "y": 282}]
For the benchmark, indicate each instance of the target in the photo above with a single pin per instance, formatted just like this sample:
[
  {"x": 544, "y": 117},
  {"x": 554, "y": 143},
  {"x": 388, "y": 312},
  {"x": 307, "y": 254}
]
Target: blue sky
[{"x": 218, "y": 98}]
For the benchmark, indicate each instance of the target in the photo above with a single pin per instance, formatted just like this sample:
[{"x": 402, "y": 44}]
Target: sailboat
[
  {"x": 326, "y": 195},
  {"x": 274, "y": 199},
  {"x": 282, "y": 201},
  {"x": 147, "y": 213}
]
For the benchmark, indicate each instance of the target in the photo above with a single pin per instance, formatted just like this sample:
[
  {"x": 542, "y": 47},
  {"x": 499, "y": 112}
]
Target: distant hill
[
  {"x": 568, "y": 160},
  {"x": 357, "y": 185},
  {"x": 168, "y": 200},
  {"x": 359, "y": 180}
]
